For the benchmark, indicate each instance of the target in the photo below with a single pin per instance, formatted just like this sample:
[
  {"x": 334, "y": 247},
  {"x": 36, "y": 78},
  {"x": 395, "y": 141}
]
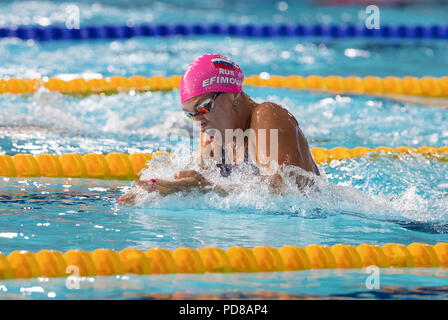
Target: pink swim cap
[{"x": 210, "y": 73}]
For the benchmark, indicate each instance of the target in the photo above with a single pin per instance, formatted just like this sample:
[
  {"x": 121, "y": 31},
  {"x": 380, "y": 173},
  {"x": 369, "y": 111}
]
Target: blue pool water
[
  {"x": 414, "y": 283},
  {"x": 376, "y": 199},
  {"x": 168, "y": 56}
]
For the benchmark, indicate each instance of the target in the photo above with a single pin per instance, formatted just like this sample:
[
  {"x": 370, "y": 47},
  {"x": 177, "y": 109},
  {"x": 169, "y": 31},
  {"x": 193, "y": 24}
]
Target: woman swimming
[{"x": 234, "y": 129}]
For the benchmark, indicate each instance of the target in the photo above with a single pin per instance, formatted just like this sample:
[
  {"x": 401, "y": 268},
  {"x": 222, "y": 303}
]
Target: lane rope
[
  {"x": 49, "y": 33},
  {"x": 410, "y": 86},
  {"x": 105, "y": 262},
  {"x": 122, "y": 166}
]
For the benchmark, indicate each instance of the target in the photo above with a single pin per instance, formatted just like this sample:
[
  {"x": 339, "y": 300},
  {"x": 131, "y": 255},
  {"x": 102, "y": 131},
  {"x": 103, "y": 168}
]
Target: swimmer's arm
[
  {"x": 277, "y": 185},
  {"x": 184, "y": 181},
  {"x": 292, "y": 146},
  {"x": 187, "y": 181}
]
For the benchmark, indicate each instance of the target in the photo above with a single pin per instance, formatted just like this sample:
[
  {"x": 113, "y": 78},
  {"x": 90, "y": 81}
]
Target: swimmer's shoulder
[
  {"x": 272, "y": 113},
  {"x": 265, "y": 107}
]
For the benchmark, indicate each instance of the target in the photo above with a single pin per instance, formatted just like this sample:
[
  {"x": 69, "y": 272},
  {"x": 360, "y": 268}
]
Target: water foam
[{"x": 251, "y": 194}]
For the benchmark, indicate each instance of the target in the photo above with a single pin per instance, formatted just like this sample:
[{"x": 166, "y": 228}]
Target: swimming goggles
[{"x": 204, "y": 108}]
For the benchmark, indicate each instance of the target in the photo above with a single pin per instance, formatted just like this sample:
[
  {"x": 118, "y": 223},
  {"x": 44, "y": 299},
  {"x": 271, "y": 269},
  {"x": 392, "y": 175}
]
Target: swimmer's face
[{"x": 219, "y": 117}]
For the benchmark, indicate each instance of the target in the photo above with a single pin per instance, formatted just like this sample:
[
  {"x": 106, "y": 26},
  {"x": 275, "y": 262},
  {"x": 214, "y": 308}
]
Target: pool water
[
  {"x": 168, "y": 56},
  {"x": 376, "y": 199},
  {"x": 412, "y": 283}
]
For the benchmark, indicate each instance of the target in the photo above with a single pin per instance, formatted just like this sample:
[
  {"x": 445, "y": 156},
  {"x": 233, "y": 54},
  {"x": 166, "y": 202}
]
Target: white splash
[{"x": 51, "y": 108}]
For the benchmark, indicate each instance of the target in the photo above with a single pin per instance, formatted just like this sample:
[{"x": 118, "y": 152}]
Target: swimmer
[{"x": 212, "y": 96}]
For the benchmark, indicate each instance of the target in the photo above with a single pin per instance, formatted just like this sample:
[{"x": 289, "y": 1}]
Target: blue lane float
[{"x": 39, "y": 33}]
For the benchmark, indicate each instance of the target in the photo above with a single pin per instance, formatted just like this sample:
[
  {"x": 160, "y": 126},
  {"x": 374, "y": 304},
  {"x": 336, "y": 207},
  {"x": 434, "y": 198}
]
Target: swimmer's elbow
[{"x": 276, "y": 184}]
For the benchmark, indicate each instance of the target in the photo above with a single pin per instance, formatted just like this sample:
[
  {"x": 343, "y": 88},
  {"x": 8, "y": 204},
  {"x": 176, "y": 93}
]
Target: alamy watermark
[
  {"x": 373, "y": 280},
  {"x": 72, "y": 281},
  {"x": 261, "y": 145},
  {"x": 72, "y": 17},
  {"x": 372, "y": 17}
]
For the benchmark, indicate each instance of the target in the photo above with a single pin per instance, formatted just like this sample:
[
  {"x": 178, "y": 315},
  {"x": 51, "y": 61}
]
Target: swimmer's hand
[
  {"x": 128, "y": 199},
  {"x": 185, "y": 180}
]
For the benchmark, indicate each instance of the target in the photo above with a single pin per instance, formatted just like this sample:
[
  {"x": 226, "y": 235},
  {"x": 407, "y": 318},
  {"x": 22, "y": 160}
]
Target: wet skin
[{"x": 238, "y": 111}]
